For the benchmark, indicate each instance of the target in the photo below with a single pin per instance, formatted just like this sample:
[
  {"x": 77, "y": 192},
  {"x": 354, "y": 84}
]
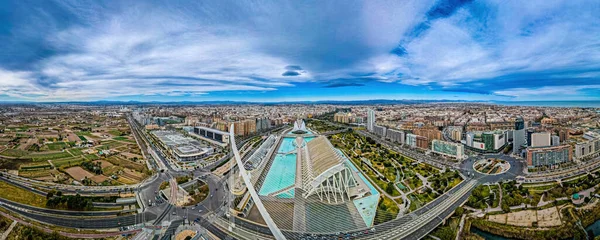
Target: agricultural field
[{"x": 50, "y": 146}]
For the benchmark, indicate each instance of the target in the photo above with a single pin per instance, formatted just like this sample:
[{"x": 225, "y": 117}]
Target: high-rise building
[
  {"x": 540, "y": 139},
  {"x": 564, "y": 135},
  {"x": 395, "y": 135},
  {"x": 263, "y": 124},
  {"x": 456, "y": 133},
  {"x": 519, "y": 123},
  {"x": 555, "y": 140},
  {"x": 411, "y": 140},
  {"x": 528, "y": 135},
  {"x": 422, "y": 142},
  {"x": 518, "y": 140},
  {"x": 370, "y": 120},
  {"x": 380, "y": 131}
]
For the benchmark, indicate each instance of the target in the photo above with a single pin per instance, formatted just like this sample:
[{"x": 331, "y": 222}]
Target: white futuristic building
[
  {"x": 299, "y": 127},
  {"x": 324, "y": 171}
]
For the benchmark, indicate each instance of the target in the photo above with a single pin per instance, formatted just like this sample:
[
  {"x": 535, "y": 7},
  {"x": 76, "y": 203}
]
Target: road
[{"x": 411, "y": 226}]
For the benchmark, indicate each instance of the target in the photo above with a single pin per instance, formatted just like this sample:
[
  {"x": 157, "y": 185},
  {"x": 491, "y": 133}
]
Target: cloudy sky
[{"x": 299, "y": 50}]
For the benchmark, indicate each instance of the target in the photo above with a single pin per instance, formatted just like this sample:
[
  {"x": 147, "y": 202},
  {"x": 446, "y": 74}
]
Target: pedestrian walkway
[{"x": 10, "y": 228}]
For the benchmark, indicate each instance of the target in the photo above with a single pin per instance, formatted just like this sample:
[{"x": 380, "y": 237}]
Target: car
[
  {"x": 174, "y": 213},
  {"x": 193, "y": 208},
  {"x": 200, "y": 210}
]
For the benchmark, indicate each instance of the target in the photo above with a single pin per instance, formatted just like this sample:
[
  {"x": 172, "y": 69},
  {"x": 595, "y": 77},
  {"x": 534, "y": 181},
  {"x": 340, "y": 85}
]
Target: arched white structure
[
  {"x": 261, "y": 208},
  {"x": 299, "y": 126},
  {"x": 324, "y": 171}
]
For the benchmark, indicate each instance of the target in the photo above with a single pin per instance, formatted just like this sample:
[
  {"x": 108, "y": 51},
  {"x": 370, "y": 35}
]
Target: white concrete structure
[
  {"x": 259, "y": 205},
  {"x": 324, "y": 171}
]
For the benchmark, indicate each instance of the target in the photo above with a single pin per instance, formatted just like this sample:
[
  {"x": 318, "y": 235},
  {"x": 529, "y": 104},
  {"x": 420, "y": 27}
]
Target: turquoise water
[
  {"x": 367, "y": 206},
  {"x": 287, "y": 145},
  {"x": 282, "y": 173}
]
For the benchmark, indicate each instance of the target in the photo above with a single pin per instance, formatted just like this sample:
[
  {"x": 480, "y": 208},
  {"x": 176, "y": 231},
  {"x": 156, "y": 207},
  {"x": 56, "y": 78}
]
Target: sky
[{"x": 270, "y": 51}]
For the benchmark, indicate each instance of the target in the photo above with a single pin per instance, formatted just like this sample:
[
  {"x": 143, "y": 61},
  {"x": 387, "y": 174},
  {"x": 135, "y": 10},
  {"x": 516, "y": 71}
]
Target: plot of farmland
[
  {"x": 48, "y": 156},
  {"x": 67, "y": 161},
  {"x": 78, "y": 173},
  {"x": 57, "y": 146}
]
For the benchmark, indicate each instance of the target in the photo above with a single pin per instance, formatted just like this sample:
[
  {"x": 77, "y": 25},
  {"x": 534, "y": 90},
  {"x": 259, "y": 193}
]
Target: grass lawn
[
  {"x": 120, "y": 138},
  {"x": 20, "y": 195}
]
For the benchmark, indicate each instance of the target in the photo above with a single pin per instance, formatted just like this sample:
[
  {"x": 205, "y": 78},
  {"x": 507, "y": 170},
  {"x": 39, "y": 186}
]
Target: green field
[
  {"x": 20, "y": 195},
  {"x": 120, "y": 138},
  {"x": 91, "y": 157},
  {"x": 67, "y": 161},
  {"x": 14, "y": 153},
  {"x": 36, "y": 166},
  {"x": 57, "y": 146},
  {"x": 48, "y": 156},
  {"x": 76, "y": 151}
]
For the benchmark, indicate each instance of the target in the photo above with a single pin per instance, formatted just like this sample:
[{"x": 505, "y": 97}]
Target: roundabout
[{"x": 491, "y": 166}]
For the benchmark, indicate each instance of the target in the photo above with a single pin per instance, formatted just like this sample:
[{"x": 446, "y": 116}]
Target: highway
[{"x": 411, "y": 226}]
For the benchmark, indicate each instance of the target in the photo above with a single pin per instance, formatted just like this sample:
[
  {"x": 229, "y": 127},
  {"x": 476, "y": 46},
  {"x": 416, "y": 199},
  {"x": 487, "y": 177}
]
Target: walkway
[{"x": 10, "y": 228}]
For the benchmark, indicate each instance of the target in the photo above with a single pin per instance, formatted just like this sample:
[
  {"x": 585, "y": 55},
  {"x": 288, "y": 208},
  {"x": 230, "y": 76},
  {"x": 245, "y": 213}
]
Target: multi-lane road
[{"x": 412, "y": 226}]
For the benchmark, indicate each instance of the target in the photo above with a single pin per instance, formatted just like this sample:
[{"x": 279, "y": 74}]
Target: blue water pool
[{"x": 282, "y": 174}]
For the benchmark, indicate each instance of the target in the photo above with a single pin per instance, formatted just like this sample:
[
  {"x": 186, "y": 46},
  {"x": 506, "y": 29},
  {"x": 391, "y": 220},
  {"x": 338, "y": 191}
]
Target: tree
[
  {"x": 459, "y": 211},
  {"x": 389, "y": 188},
  {"x": 505, "y": 207},
  {"x": 50, "y": 194}
]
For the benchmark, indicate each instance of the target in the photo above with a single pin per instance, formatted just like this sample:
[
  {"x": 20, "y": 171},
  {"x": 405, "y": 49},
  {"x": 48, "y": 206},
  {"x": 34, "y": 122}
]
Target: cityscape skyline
[{"x": 289, "y": 51}]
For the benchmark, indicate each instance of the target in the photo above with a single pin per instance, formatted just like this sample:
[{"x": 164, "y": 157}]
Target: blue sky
[{"x": 299, "y": 50}]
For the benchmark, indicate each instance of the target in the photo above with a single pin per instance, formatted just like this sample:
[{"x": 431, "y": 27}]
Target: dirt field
[
  {"x": 500, "y": 218},
  {"x": 72, "y": 137},
  {"x": 78, "y": 173},
  {"x": 26, "y": 143},
  {"x": 104, "y": 164},
  {"x": 99, "y": 178},
  {"x": 549, "y": 217}
]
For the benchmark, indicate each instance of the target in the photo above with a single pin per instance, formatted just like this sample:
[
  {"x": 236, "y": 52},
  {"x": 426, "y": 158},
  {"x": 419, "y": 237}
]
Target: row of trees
[{"x": 55, "y": 199}]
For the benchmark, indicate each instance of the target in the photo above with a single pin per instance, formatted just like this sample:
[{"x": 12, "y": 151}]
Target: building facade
[
  {"x": 541, "y": 139},
  {"x": 455, "y": 150},
  {"x": 549, "y": 156},
  {"x": 396, "y": 136},
  {"x": 380, "y": 131},
  {"x": 370, "y": 120}
]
